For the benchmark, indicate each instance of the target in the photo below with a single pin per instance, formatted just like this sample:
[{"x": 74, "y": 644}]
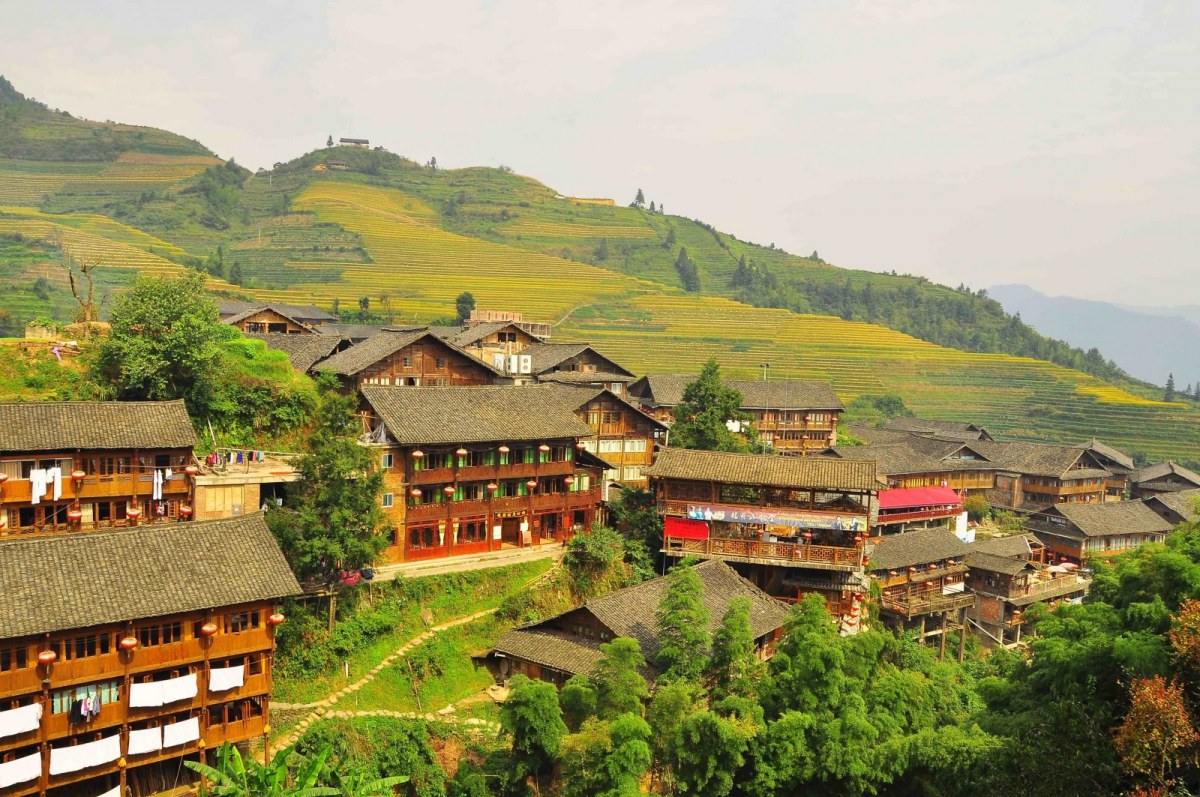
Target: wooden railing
[
  {"x": 825, "y": 556},
  {"x": 516, "y": 503},
  {"x": 680, "y": 508},
  {"x": 481, "y": 473},
  {"x": 920, "y": 514},
  {"x": 926, "y": 602}
]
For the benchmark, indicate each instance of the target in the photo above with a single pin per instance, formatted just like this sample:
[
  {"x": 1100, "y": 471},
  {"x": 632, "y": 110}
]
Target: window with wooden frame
[{"x": 238, "y": 622}]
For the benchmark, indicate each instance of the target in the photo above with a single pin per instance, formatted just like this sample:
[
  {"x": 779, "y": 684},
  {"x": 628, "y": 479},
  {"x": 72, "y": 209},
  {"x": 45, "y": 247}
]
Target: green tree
[
  {"x": 577, "y": 700},
  {"x": 634, "y": 513},
  {"x": 1169, "y": 393},
  {"x": 672, "y": 702},
  {"x": 689, "y": 274},
  {"x": 42, "y": 288},
  {"x": 671, "y": 239},
  {"x": 651, "y": 206},
  {"x": 734, "y": 670},
  {"x": 334, "y": 516},
  {"x": 463, "y": 305},
  {"x": 329, "y": 141},
  {"x": 639, "y": 200},
  {"x": 532, "y": 718},
  {"x": 708, "y": 751},
  {"x": 236, "y": 277},
  {"x": 165, "y": 343},
  {"x": 234, "y": 776},
  {"x": 682, "y": 622},
  {"x": 606, "y": 759},
  {"x": 706, "y": 408},
  {"x": 977, "y": 507},
  {"x": 620, "y": 685}
]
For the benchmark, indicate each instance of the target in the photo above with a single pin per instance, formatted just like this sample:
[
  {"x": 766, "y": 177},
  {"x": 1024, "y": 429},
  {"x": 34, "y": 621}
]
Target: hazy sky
[{"x": 1051, "y": 143}]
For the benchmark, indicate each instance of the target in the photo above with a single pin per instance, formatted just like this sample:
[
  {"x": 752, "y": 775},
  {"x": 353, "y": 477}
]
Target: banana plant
[{"x": 234, "y": 776}]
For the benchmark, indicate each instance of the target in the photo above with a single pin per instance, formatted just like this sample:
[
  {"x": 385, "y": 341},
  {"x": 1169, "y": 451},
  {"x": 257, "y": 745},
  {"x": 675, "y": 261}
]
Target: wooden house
[
  {"x": 538, "y": 329},
  {"x": 792, "y": 415},
  {"x": 1033, "y": 475},
  {"x": 474, "y": 469},
  {"x": 1176, "y": 508},
  {"x": 569, "y": 644},
  {"x": 1165, "y": 477},
  {"x": 576, "y": 364},
  {"x": 498, "y": 343},
  {"x": 82, "y": 465},
  {"x": 1119, "y": 465},
  {"x": 922, "y": 577},
  {"x": 263, "y": 318},
  {"x": 1006, "y": 578},
  {"x": 908, "y": 461},
  {"x": 1078, "y": 532},
  {"x": 912, "y": 508},
  {"x": 792, "y": 525},
  {"x": 124, "y": 652},
  {"x": 622, "y": 435},
  {"x": 360, "y": 143},
  {"x": 407, "y": 358}
]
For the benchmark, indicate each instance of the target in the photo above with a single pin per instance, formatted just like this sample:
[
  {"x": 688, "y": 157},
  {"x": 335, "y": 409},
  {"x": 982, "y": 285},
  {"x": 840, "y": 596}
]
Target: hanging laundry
[
  {"x": 54, "y": 477},
  {"x": 82, "y": 756},
  {"x": 156, "y": 482},
  {"x": 181, "y": 732},
  {"x": 37, "y": 484},
  {"x": 20, "y": 770},
  {"x": 20, "y": 720},
  {"x": 167, "y": 474},
  {"x": 145, "y": 741},
  {"x": 224, "y": 678}
]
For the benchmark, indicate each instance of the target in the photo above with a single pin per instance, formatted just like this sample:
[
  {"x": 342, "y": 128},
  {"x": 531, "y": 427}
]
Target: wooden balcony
[
  {"x": 488, "y": 473},
  {"x": 918, "y": 514},
  {"x": 124, "y": 485},
  {"x": 536, "y": 503},
  {"x": 817, "y": 557},
  {"x": 237, "y": 731},
  {"x": 926, "y": 602},
  {"x": 680, "y": 508},
  {"x": 59, "y": 726},
  {"x": 1067, "y": 488}
]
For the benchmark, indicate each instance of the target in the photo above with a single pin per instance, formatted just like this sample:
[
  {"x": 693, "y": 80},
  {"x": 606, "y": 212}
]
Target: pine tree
[
  {"x": 1169, "y": 394},
  {"x": 688, "y": 273},
  {"x": 640, "y": 199},
  {"x": 235, "y": 273},
  {"x": 652, "y": 206},
  {"x": 329, "y": 141}
]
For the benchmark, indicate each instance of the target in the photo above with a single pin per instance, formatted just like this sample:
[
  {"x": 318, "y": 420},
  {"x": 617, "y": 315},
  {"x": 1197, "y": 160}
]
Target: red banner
[{"x": 685, "y": 529}]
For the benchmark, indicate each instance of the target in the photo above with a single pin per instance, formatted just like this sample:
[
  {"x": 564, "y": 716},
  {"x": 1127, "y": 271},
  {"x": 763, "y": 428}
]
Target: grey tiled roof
[
  {"x": 95, "y": 425},
  {"x": 1108, "y": 518},
  {"x": 981, "y": 560},
  {"x": 1014, "y": 547},
  {"x": 914, "y": 548},
  {"x": 1118, "y": 457},
  {"x": 1183, "y": 503},
  {"x": 1164, "y": 470},
  {"x": 1038, "y": 459},
  {"x": 437, "y": 415},
  {"x": 819, "y": 473},
  {"x": 386, "y": 343},
  {"x": 631, "y": 612},
  {"x": 666, "y": 390},
  {"x": 304, "y": 312},
  {"x": 915, "y": 454},
  {"x": 304, "y": 351},
  {"x": 928, "y": 426},
  {"x": 544, "y": 356},
  {"x": 557, "y": 650},
  {"x": 66, "y": 581},
  {"x": 583, "y": 377},
  {"x": 575, "y": 396},
  {"x": 351, "y": 332}
]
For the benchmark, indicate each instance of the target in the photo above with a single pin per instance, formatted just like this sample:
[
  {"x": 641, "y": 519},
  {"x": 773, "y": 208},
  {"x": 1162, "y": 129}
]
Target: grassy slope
[{"x": 413, "y": 238}]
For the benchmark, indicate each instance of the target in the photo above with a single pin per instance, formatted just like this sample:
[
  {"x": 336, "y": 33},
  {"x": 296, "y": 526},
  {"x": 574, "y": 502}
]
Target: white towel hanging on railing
[
  {"x": 226, "y": 678},
  {"x": 181, "y": 732},
  {"x": 20, "y": 720}
]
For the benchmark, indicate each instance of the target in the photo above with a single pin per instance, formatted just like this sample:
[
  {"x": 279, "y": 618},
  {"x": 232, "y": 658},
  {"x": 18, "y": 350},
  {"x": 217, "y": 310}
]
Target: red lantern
[
  {"x": 78, "y": 475},
  {"x": 415, "y": 492},
  {"x": 531, "y": 484},
  {"x": 128, "y": 643},
  {"x": 569, "y": 481},
  {"x": 544, "y": 448},
  {"x": 807, "y": 536},
  {"x": 133, "y": 512},
  {"x": 866, "y": 561},
  {"x": 47, "y": 657},
  {"x": 418, "y": 454},
  {"x": 493, "y": 487},
  {"x": 74, "y": 515},
  {"x": 192, "y": 470},
  {"x": 462, "y": 452},
  {"x": 448, "y": 489},
  {"x": 276, "y": 619},
  {"x": 185, "y": 510},
  {"x": 504, "y": 449},
  {"x": 208, "y": 629}
]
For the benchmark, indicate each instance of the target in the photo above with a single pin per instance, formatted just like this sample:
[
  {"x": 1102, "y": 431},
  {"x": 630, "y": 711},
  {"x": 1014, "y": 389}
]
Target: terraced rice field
[
  {"x": 1016, "y": 396},
  {"x": 550, "y": 229},
  {"x": 98, "y": 239},
  {"x": 26, "y": 182},
  {"x": 428, "y": 267}
]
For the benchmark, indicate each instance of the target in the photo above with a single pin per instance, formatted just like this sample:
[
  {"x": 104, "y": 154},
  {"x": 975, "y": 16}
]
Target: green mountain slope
[{"x": 356, "y": 227}]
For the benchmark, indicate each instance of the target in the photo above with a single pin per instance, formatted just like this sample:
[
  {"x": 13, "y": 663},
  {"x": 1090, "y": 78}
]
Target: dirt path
[{"x": 324, "y": 709}]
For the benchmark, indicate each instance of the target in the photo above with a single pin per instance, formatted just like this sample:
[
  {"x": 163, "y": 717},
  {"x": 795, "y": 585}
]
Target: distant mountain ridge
[{"x": 1148, "y": 343}]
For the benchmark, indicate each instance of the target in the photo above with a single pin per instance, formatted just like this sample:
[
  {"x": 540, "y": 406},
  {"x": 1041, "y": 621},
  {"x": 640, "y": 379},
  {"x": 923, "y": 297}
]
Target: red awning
[
  {"x": 685, "y": 529},
  {"x": 911, "y": 497}
]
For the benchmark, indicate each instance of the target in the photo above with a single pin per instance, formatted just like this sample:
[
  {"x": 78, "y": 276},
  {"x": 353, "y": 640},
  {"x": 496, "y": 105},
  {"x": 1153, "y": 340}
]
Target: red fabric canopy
[
  {"x": 683, "y": 528},
  {"x": 910, "y": 497}
]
